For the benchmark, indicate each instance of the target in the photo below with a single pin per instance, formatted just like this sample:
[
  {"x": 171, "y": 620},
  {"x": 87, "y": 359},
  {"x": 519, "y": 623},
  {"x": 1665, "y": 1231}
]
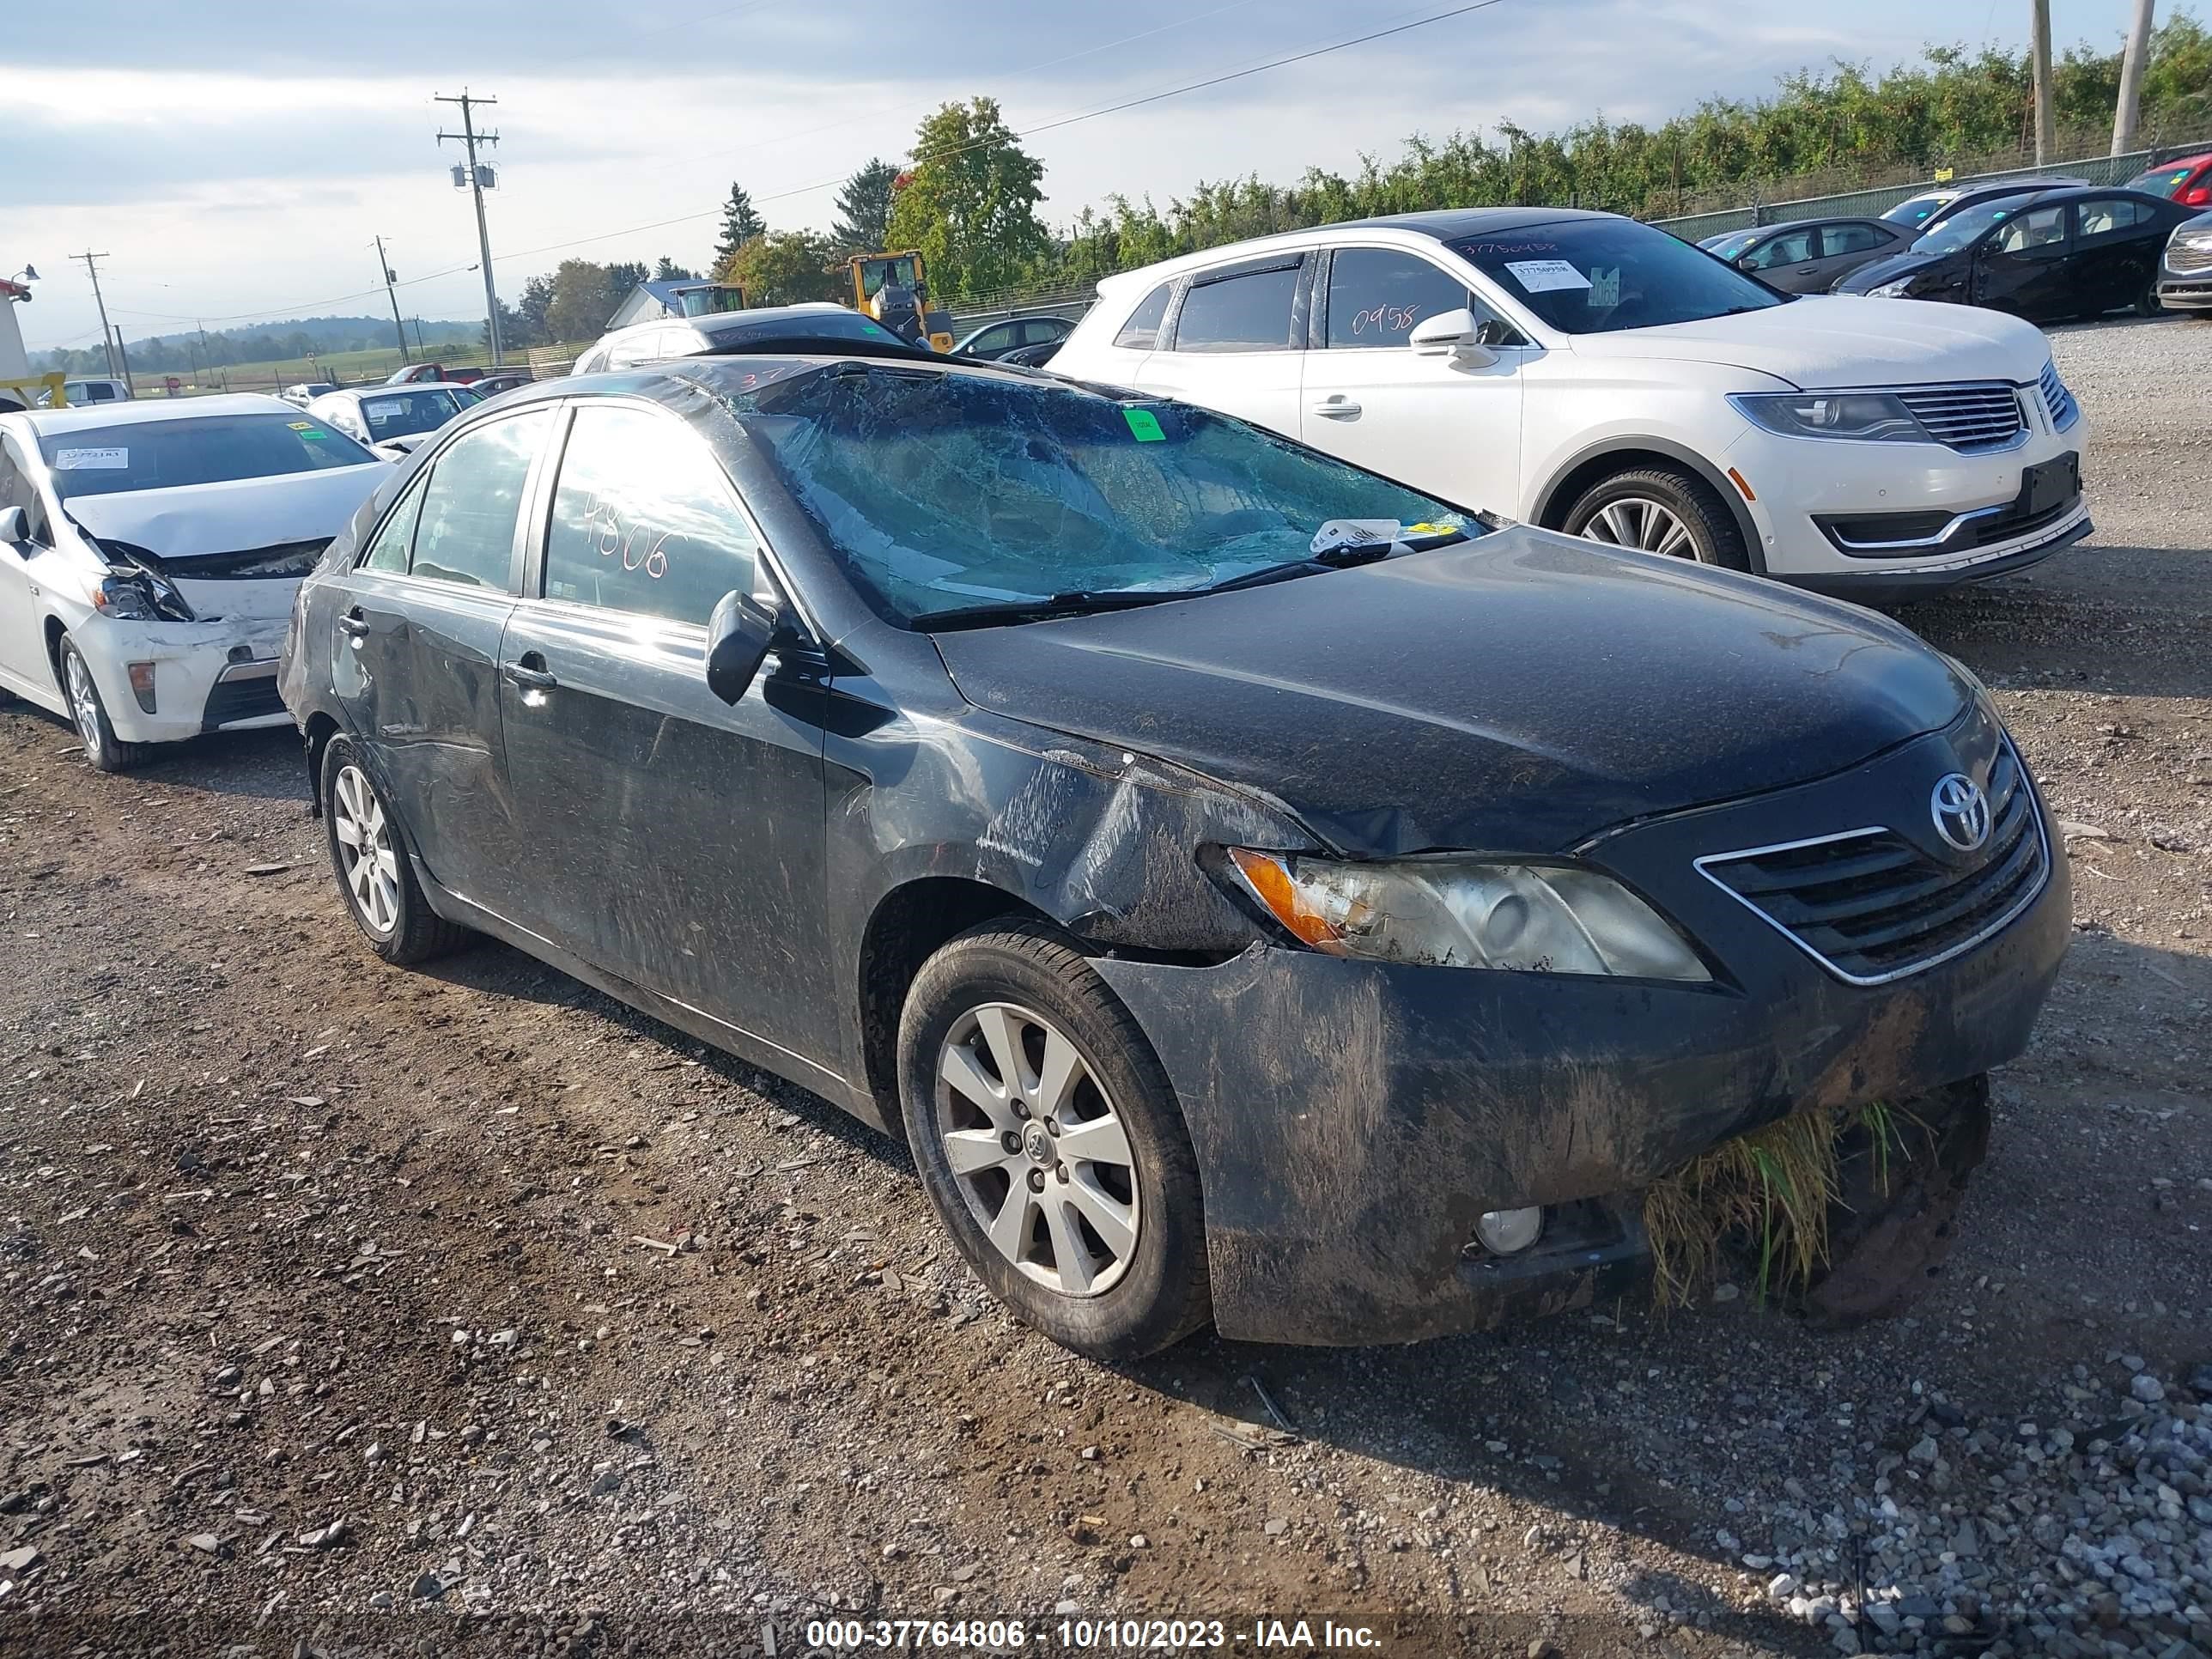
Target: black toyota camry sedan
[{"x": 1255, "y": 892}]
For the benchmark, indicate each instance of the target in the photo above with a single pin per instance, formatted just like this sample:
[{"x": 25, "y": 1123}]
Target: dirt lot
[{"x": 611, "y": 1342}]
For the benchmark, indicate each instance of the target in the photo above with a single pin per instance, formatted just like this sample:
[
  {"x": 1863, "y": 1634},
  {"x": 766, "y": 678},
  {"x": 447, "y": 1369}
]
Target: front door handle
[
  {"x": 1336, "y": 407},
  {"x": 529, "y": 676}
]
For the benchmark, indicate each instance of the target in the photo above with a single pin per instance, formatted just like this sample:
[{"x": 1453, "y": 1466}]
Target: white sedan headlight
[{"x": 1456, "y": 913}]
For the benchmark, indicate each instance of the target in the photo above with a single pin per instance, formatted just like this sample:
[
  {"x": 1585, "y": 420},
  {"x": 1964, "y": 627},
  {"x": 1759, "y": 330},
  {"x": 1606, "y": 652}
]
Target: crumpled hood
[
  {"x": 194, "y": 520},
  {"x": 1832, "y": 340},
  {"x": 1514, "y": 695}
]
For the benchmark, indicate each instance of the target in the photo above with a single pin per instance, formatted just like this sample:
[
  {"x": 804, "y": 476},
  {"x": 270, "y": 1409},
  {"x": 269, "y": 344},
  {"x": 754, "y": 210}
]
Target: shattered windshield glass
[{"x": 937, "y": 490}]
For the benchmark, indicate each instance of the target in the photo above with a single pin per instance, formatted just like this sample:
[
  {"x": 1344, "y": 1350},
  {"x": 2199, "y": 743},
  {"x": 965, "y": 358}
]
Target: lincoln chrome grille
[
  {"x": 1869, "y": 906},
  {"x": 1966, "y": 418},
  {"x": 2057, "y": 402},
  {"x": 2186, "y": 259}
]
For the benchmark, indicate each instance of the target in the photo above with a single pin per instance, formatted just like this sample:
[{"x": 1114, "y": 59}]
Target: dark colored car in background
[
  {"x": 995, "y": 342},
  {"x": 2048, "y": 257},
  {"x": 2184, "y": 275},
  {"x": 493, "y": 381},
  {"x": 1254, "y": 890},
  {"x": 1807, "y": 256},
  {"x": 1923, "y": 213},
  {"x": 2186, "y": 181}
]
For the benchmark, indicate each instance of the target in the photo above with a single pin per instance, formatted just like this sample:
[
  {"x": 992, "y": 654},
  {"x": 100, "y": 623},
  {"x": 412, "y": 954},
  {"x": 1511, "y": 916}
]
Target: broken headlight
[
  {"x": 1454, "y": 913},
  {"x": 138, "y": 596}
]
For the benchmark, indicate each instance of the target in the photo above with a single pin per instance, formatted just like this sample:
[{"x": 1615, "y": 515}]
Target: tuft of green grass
[{"x": 1769, "y": 1191}]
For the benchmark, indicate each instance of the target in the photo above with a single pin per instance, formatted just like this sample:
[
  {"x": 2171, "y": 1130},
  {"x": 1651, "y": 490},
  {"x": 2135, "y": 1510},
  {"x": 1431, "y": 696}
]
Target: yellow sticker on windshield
[
  {"x": 1144, "y": 426},
  {"x": 301, "y": 426}
]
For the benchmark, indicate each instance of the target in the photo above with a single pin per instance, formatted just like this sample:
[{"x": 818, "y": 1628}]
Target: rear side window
[
  {"x": 1250, "y": 312},
  {"x": 1142, "y": 331},
  {"x": 2109, "y": 217},
  {"x": 1042, "y": 330},
  {"x": 643, "y": 520},
  {"x": 1849, "y": 239},
  {"x": 472, "y": 500}
]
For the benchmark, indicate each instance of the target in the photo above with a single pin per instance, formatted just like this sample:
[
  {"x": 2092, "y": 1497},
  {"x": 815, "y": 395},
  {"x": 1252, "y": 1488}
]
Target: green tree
[
  {"x": 741, "y": 223},
  {"x": 667, "y": 270},
  {"x": 622, "y": 278},
  {"x": 531, "y": 309},
  {"x": 864, "y": 208},
  {"x": 784, "y": 267},
  {"x": 582, "y": 300},
  {"x": 969, "y": 202}
]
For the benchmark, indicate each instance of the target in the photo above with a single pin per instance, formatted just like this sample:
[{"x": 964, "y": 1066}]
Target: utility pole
[
  {"x": 2131, "y": 69},
  {"x": 124, "y": 357},
  {"x": 106, "y": 339},
  {"x": 469, "y": 136},
  {"x": 2046, "y": 139},
  {"x": 391, "y": 277}
]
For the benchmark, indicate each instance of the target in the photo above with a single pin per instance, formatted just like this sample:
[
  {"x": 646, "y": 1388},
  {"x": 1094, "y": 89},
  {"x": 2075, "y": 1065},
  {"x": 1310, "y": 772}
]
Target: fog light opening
[
  {"x": 1508, "y": 1232},
  {"x": 142, "y": 685}
]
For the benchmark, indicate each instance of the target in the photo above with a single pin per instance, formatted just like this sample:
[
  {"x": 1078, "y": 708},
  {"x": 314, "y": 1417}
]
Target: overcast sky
[{"x": 234, "y": 159}]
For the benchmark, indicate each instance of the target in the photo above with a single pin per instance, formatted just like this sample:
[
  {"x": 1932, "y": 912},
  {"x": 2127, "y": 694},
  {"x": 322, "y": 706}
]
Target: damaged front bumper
[
  {"x": 1353, "y": 1120},
  {"x": 197, "y": 675}
]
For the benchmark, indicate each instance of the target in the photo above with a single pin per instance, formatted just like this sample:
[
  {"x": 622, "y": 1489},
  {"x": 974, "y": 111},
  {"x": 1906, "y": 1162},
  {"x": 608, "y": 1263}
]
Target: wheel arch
[
  {"x": 316, "y": 737},
  {"x": 54, "y": 633},
  {"x": 1625, "y": 454},
  {"x": 910, "y": 923}
]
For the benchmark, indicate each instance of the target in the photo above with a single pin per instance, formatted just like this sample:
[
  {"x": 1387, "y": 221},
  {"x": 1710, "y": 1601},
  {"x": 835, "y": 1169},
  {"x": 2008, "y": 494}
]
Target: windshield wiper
[{"x": 1055, "y": 604}]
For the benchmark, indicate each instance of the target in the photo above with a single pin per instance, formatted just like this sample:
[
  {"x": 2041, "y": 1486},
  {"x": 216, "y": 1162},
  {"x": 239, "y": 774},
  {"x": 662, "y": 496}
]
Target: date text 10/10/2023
[{"x": 1010, "y": 1637}]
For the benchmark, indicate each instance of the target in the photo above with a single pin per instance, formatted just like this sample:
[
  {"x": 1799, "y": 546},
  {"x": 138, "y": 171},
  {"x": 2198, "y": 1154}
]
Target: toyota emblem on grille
[{"x": 1961, "y": 812}]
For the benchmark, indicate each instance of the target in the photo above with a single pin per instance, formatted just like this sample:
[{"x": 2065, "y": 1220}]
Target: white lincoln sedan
[
  {"x": 148, "y": 556},
  {"x": 1588, "y": 374}
]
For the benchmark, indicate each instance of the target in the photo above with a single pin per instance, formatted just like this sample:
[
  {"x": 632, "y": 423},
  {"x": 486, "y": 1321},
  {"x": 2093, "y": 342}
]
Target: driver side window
[
  {"x": 1376, "y": 295},
  {"x": 16, "y": 489},
  {"x": 2040, "y": 235}
]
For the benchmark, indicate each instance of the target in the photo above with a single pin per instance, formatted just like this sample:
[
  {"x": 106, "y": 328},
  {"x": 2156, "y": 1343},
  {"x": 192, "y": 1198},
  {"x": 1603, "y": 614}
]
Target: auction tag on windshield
[
  {"x": 1542, "y": 276},
  {"x": 1605, "y": 286},
  {"x": 1144, "y": 426},
  {"x": 1354, "y": 533},
  {"x": 300, "y": 426},
  {"x": 92, "y": 460}
]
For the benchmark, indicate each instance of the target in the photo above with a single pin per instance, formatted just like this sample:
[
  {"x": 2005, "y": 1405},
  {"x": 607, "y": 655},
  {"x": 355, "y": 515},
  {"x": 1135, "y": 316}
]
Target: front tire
[
  {"x": 369, "y": 856},
  {"x": 1048, "y": 1142},
  {"x": 103, "y": 750},
  {"x": 2148, "y": 304},
  {"x": 1659, "y": 509}
]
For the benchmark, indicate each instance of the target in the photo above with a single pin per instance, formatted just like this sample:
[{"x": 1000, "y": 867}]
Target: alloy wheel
[
  {"x": 1640, "y": 522},
  {"x": 83, "y": 701},
  {"x": 371, "y": 867},
  {"x": 1037, "y": 1149}
]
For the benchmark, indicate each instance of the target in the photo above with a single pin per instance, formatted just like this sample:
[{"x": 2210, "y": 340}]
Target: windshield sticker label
[
  {"x": 92, "y": 460},
  {"x": 311, "y": 432},
  {"x": 1605, "y": 286},
  {"x": 1543, "y": 276},
  {"x": 300, "y": 426},
  {"x": 1354, "y": 533},
  {"x": 1144, "y": 426}
]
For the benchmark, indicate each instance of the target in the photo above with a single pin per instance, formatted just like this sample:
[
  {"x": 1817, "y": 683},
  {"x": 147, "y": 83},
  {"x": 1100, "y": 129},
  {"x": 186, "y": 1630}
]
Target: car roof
[
  {"x": 2197, "y": 159},
  {"x": 146, "y": 411},
  {"x": 674, "y": 381},
  {"x": 2074, "y": 192},
  {"x": 1799, "y": 224}
]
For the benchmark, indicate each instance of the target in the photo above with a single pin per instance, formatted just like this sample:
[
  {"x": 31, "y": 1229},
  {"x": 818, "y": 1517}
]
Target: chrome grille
[
  {"x": 2187, "y": 258},
  {"x": 2057, "y": 402},
  {"x": 1966, "y": 418},
  {"x": 1870, "y": 906}
]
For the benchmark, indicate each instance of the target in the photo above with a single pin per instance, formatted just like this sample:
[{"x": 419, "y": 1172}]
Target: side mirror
[
  {"x": 1453, "y": 334},
  {"x": 737, "y": 635},
  {"x": 14, "y": 525}
]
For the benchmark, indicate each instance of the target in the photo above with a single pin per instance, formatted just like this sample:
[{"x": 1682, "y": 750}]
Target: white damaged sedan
[{"x": 148, "y": 556}]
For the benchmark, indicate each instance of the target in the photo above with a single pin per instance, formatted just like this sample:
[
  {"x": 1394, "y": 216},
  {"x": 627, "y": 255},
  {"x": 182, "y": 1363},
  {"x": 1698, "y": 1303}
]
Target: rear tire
[
  {"x": 103, "y": 750},
  {"x": 1659, "y": 509},
  {"x": 369, "y": 855},
  {"x": 1103, "y": 1248}
]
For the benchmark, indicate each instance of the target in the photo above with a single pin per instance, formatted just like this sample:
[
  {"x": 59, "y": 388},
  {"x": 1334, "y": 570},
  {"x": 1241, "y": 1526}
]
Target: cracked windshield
[{"x": 957, "y": 490}]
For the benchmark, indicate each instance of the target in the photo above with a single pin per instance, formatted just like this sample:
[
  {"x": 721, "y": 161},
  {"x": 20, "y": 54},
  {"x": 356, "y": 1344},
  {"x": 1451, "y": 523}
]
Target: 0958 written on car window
[
  {"x": 469, "y": 508},
  {"x": 1376, "y": 295},
  {"x": 643, "y": 520}
]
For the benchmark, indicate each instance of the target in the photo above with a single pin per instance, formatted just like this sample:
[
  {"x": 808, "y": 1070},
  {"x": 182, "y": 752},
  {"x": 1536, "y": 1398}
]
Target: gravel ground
[{"x": 352, "y": 1307}]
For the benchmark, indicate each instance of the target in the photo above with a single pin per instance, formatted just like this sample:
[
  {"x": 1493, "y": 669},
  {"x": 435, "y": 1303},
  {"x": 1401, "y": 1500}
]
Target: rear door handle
[
  {"x": 523, "y": 674},
  {"x": 1336, "y": 407},
  {"x": 355, "y": 623}
]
